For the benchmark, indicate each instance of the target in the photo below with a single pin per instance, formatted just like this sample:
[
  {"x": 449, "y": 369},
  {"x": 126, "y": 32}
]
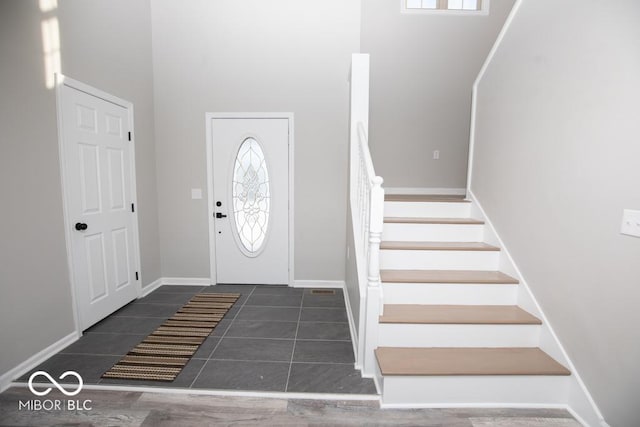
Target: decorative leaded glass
[{"x": 251, "y": 195}]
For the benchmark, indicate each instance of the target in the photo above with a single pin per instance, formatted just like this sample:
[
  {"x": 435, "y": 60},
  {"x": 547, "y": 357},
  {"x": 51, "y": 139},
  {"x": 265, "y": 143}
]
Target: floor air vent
[{"x": 323, "y": 292}]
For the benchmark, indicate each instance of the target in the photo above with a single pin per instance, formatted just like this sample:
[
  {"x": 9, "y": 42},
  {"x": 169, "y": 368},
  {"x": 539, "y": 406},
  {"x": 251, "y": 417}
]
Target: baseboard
[
  {"x": 229, "y": 393},
  {"x": 330, "y": 284},
  {"x": 186, "y": 281},
  {"x": 174, "y": 281},
  {"x": 425, "y": 190},
  {"x": 352, "y": 328},
  {"x": 579, "y": 400},
  {"x": 151, "y": 287},
  {"x": 7, "y": 378},
  {"x": 581, "y": 404},
  {"x": 581, "y": 420},
  {"x": 205, "y": 281},
  {"x": 474, "y": 405},
  {"x": 336, "y": 284},
  {"x": 376, "y": 382}
]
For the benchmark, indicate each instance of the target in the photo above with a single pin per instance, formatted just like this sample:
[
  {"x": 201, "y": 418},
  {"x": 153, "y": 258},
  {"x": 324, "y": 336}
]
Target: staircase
[{"x": 451, "y": 331}]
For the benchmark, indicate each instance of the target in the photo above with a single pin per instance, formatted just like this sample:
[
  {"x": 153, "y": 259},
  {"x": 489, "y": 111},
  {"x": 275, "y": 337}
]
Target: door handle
[
  {"x": 80, "y": 226},
  {"x": 220, "y": 215}
]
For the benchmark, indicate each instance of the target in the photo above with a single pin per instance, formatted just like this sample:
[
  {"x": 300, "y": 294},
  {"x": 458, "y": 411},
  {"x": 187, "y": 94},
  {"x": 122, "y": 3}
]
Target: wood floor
[
  {"x": 438, "y": 246},
  {"x": 457, "y": 314},
  {"x": 408, "y": 220},
  {"x": 449, "y": 198},
  {"x": 446, "y": 276},
  {"x": 467, "y": 361},
  {"x": 127, "y": 408}
]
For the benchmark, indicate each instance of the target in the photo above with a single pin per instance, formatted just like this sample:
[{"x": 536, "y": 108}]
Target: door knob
[
  {"x": 219, "y": 215},
  {"x": 80, "y": 226}
]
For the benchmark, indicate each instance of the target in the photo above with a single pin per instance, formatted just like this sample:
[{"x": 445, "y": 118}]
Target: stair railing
[{"x": 367, "y": 212}]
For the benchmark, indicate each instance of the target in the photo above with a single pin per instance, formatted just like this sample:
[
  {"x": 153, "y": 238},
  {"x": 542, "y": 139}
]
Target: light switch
[
  {"x": 630, "y": 223},
  {"x": 196, "y": 193}
]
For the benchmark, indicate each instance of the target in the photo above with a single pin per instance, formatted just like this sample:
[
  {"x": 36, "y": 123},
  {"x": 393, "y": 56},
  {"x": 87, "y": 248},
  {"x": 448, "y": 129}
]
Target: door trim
[
  {"x": 60, "y": 81},
  {"x": 209, "y": 117}
]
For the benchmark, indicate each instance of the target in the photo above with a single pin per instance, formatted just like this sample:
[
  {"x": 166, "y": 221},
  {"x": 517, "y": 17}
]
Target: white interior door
[
  {"x": 251, "y": 200},
  {"x": 97, "y": 158}
]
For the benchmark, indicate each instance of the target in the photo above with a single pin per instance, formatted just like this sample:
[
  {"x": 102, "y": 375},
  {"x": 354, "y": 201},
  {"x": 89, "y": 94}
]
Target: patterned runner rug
[{"x": 162, "y": 355}]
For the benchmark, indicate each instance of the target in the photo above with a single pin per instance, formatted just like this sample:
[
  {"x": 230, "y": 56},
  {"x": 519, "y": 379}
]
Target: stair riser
[
  {"x": 439, "y": 260},
  {"x": 436, "y": 293},
  {"x": 427, "y": 209},
  {"x": 434, "y": 391},
  {"x": 430, "y": 335},
  {"x": 433, "y": 232}
]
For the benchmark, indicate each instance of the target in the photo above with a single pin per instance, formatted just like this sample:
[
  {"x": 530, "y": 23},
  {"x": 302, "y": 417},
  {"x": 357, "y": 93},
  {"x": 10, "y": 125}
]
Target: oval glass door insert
[{"x": 251, "y": 196}]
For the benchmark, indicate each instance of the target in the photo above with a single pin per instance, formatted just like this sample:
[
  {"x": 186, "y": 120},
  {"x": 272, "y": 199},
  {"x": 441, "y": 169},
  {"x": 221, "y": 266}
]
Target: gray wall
[
  {"x": 556, "y": 162},
  {"x": 422, "y": 71},
  {"x": 34, "y": 279},
  {"x": 254, "y": 56},
  {"x": 119, "y": 62}
]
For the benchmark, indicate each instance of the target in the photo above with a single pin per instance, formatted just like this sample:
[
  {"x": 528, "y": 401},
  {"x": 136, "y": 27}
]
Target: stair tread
[
  {"x": 467, "y": 361},
  {"x": 458, "y": 314},
  {"x": 446, "y": 276},
  {"x": 428, "y": 220},
  {"x": 445, "y": 198},
  {"x": 438, "y": 246}
]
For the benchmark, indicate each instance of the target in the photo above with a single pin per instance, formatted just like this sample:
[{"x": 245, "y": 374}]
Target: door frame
[
  {"x": 60, "y": 81},
  {"x": 209, "y": 117}
]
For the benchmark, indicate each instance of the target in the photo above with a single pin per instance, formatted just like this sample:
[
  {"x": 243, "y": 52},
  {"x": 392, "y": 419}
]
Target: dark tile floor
[{"x": 272, "y": 339}]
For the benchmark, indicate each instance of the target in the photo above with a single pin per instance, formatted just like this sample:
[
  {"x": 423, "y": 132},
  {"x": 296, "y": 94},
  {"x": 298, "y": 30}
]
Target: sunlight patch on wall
[
  {"x": 48, "y": 5},
  {"x": 50, "y": 42},
  {"x": 51, "y": 50}
]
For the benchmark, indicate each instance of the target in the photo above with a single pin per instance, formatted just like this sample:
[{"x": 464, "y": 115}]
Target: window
[
  {"x": 251, "y": 195},
  {"x": 463, "y": 4},
  {"x": 446, "y": 6}
]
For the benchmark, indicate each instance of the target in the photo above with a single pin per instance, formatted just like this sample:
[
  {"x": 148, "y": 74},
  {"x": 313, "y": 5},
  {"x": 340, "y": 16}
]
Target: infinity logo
[{"x": 55, "y": 383}]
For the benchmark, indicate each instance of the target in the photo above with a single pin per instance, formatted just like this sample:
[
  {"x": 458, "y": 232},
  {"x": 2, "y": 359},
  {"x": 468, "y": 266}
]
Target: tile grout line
[
  {"x": 281, "y": 339},
  {"x": 231, "y": 320},
  {"x": 219, "y": 341},
  {"x": 91, "y": 354},
  {"x": 227, "y": 334},
  {"x": 193, "y": 293},
  {"x": 281, "y": 361},
  {"x": 276, "y": 321},
  {"x": 295, "y": 339}
]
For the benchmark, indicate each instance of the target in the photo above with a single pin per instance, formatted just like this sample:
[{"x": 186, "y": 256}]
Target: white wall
[
  {"x": 422, "y": 70},
  {"x": 556, "y": 162},
  {"x": 352, "y": 283},
  {"x": 35, "y": 295},
  {"x": 254, "y": 56}
]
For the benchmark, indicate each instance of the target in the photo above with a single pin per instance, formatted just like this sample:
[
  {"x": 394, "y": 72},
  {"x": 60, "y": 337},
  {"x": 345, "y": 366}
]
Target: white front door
[
  {"x": 97, "y": 158},
  {"x": 251, "y": 200}
]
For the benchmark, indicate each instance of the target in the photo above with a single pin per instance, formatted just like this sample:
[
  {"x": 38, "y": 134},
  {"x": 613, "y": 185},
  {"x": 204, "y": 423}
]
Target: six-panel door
[{"x": 98, "y": 185}]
